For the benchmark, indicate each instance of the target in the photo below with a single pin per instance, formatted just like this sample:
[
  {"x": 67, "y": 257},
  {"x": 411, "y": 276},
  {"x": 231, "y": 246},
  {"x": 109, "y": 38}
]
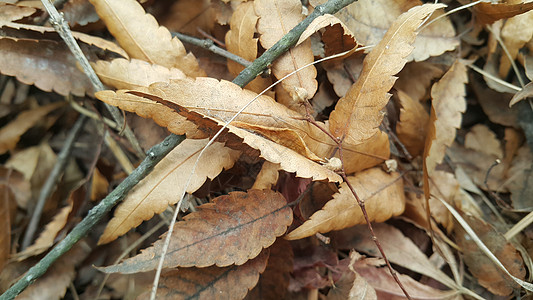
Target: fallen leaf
[
  {"x": 267, "y": 177},
  {"x": 142, "y": 37},
  {"x": 18, "y": 185},
  {"x": 161, "y": 187},
  {"x": 526, "y": 92},
  {"x": 187, "y": 16},
  {"x": 416, "y": 78},
  {"x": 494, "y": 104},
  {"x": 80, "y": 12},
  {"x": 10, "y": 12},
  {"x": 274, "y": 282},
  {"x": 336, "y": 36},
  {"x": 481, "y": 139},
  {"x": 129, "y": 74},
  {"x": 383, "y": 196},
  {"x": 412, "y": 126},
  {"x": 240, "y": 41},
  {"x": 99, "y": 186},
  {"x": 357, "y": 115},
  {"x": 519, "y": 180},
  {"x": 231, "y": 230},
  {"x": 516, "y": 32},
  {"x": 276, "y": 18},
  {"x": 10, "y": 133},
  {"x": 231, "y": 282},
  {"x": 351, "y": 285},
  {"x": 48, "y": 65},
  {"x": 6, "y": 201},
  {"x": 342, "y": 74},
  {"x": 370, "y": 19},
  {"x": 488, "y": 12},
  {"x": 484, "y": 270}
]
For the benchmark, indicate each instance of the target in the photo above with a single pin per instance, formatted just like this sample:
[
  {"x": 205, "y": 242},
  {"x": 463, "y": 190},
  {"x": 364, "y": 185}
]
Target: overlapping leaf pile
[{"x": 389, "y": 124}]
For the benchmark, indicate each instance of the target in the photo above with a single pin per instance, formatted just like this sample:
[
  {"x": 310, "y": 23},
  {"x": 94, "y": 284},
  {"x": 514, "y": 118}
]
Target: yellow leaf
[
  {"x": 142, "y": 37},
  {"x": 358, "y": 114},
  {"x": 161, "y": 188},
  {"x": 383, "y": 196}
]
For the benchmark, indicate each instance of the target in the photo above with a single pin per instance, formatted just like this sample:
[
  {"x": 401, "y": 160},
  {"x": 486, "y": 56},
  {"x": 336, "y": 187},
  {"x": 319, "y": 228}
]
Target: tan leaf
[
  {"x": 277, "y": 18},
  {"x": 142, "y": 37},
  {"x": 48, "y": 65},
  {"x": 516, "y": 32},
  {"x": 488, "y": 12},
  {"x": 357, "y": 115},
  {"x": 411, "y": 129},
  {"x": 483, "y": 269},
  {"x": 526, "y": 92},
  {"x": 10, "y": 134},
  {"x": 125, "y": 74},
  {"x": 274, "y": 282},
  {"x": 231, "y": 230},
  {"x": 267, "y": 177},
  {"x": 342, "y": 74},
  {"x": 336, "y": 36},
  {"x": 211, "y": 283},
  {"x": 240, "y": 41},
  {"x": 6, "y": 203},
  {"x": 416, "y": 78},
  {"x": 447, "y": 107},
  {"x": 480, "y": 138},
  {"x": 370, "y": 153},
  {"x": 11, "y": 12},
  {"x": 18, "y": 185},
  {"x": 383, "y": 196},
  {"x": 161, "y": 188},
  {"x": 370, "y": 19}
]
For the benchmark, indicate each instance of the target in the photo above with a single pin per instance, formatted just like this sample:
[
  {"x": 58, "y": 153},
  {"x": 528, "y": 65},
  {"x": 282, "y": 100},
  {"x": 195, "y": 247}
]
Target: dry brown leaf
[
  {"x": 526, "y": 92},
  {"x": 516, "y": 32},
  {"x": 336, "y": 36},
  {"x": 212, "y": 283},
  {"x": 342, "y": 74},
  {"x": 488, "y": 13},
  {"x": 267, "y": 177},
  {"x": 48, "y": 65},
  {"x": 161, "y": 188},
  {"x": 187, "y": 16},
  {"x": 142, "y": 37},
  {"x": 519, "y": 180},
  {"x": 416, "y": 78},
  {"x": 357, "y": 116},
  {"x": 129, "y": 74},
  {"x": 240, "y": 41},
  {"x": 276, "y": 18},
  {"x": 412, "y": 126},
  {"x": 383, "y": 196},
  {"x": 10, "y": 134},
  {"x": 370, "y": 19},
  {"x": 481, "y": 139},
  {"x": 274, "y": 282},
  {"x": 18, "y": 185},
  {"x": 231, "y": 230},
  {"x": 99, "y": 186},
  {"x": 80, "y": 12},
  {"x": 447, "y": 107},
  {"x": 484, "y": 270},
  {"x": 6, "y": 203},
  {"x": 10, "y": 12}
]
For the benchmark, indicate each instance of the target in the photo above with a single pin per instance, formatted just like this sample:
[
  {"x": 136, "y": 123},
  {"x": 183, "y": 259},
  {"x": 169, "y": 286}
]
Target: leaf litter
[{"x": 235, "y": 231}]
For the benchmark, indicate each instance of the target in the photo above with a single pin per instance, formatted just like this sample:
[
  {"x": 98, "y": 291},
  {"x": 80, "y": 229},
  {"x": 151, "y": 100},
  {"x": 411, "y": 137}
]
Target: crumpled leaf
[
  {"x": 142, "y": 37},
  {"x": 10, "y": 134},
  {"x": 357, "y": 115},
  {"x": 161, "y": 187},
  {"x": 121, "y": 73},
  {"x": 277, "y": 18},
  {"x": 383, "y": 196},
  {"x": 231, "y": 230},
  {"x": 232, "y": 282}
]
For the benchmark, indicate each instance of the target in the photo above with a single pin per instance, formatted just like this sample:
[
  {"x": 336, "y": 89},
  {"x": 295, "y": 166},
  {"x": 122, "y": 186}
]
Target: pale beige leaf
[
  {"x": 240, "y": 41},
  {"x": 11, "y": 133},
  {"x": 383, "y": 196},
  {"x": 526, "y": 92},
  {"x": 411, "y": 129},
  {"x": 370, "y": 153},
  {"x": 447, "y": 107},
  {"x": 370, "y": 19},
  {"x": 480, "y": 138},
  {"x": 416, "y": 78},
  {"x": 267, "y": 177},
  {"x": 357, "y": 116},
  {"x": 516, "y": 32},
  {"x": 277, "y": 18},
  {"x": 142, "y": 37},
  {"x": 11, "y": 12},
  {"x": 161, "y": 188},
  {"x": 129, "y": 74}
]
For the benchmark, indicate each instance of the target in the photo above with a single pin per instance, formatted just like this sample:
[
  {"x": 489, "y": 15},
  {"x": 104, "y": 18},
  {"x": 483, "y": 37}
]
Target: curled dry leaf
[
  {"x": 481, "y": 266},
  {"x": 240, "y": 41},
  {"x": 47, "y": 64},
  {"x": 276, "y": 18},
  {"x": 526, "y": 92},
  {"x": 267, "y": 177},
  {"x": 383, "y": 196},
  {"x": 10, "y": 134},
  {"x": 160, "y": 188},
  {"x": 142, "y": 37},
  {"x": 231, "y": 230},
  {"x": 370, "y": 19},
  {"x": 411, "y": 129},
  {"x": 357, "y": 115},
  {"x": 129, "y": 74},
  {"x": 10, "y": 12},
  {"x": 337, "y": 37},
  {"x": 488, "y": 12},
  {"x": 210, "y": 283}
]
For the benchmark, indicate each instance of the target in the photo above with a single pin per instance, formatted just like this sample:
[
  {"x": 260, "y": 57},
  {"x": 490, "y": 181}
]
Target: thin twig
[
  {"x": 155, "y": 154},
  {"x": 61, "y": 26},
  {"x": 210, "y": 45},
  {"x": 51, "y": 181}
]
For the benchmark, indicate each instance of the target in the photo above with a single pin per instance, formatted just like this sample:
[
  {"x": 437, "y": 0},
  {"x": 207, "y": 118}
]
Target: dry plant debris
[{"x": 414, "y": 142}]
